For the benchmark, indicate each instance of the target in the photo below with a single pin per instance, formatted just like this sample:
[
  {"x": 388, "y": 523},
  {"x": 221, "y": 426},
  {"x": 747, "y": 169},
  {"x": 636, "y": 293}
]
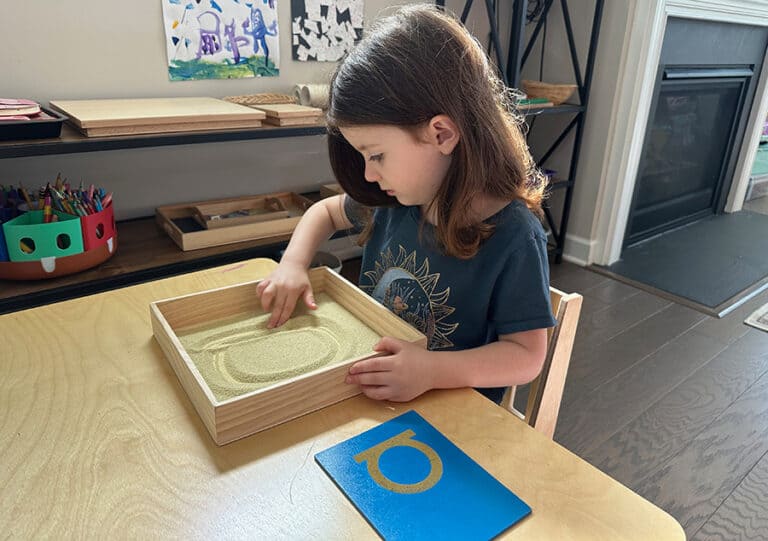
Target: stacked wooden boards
[
  {"x": 288, "y": 114},
  {"x": 96, "y": 118}
]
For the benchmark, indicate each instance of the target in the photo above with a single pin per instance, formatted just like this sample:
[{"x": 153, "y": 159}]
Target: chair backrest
[{"x": 546, "y": 391}]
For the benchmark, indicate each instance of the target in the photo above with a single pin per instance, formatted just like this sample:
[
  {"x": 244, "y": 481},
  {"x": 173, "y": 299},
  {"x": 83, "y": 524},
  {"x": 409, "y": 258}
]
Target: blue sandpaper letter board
[{"x": 411, "y": 482}]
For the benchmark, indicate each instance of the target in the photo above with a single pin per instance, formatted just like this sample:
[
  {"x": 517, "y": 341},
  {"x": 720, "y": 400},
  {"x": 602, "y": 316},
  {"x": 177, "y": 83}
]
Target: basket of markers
[{"x": 54, "y": 231}]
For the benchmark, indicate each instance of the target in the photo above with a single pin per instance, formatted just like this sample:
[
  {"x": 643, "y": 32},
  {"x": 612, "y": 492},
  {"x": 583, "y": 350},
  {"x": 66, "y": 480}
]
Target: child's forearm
[
  {"x": 498, "y": 364},
  {"x": 316, "y": 226}
]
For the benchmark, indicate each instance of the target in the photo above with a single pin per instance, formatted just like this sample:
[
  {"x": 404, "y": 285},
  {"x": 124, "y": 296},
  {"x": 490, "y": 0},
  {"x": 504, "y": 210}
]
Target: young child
[{"x": 437, "y": 173}]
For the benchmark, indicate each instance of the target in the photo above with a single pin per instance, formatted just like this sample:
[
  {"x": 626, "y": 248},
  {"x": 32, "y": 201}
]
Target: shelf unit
[
  {"x": 518, "y": 53},
  {"x": 144, "y": 251}
]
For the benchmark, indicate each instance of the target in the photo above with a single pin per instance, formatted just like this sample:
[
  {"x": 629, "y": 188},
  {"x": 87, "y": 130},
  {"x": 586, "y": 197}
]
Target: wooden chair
[{"x": 546, "y": 391}]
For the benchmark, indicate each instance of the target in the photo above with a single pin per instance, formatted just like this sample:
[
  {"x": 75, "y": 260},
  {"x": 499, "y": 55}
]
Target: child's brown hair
[{"x": 414, "y": 65}]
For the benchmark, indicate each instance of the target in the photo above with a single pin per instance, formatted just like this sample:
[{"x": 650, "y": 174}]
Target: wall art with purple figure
[
  {"x": 221, "y": 39},
  {"x": 324, "y": 30}
]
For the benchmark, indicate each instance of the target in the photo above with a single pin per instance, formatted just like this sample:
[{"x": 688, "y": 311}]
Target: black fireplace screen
[{"x": 688, "y": 144}]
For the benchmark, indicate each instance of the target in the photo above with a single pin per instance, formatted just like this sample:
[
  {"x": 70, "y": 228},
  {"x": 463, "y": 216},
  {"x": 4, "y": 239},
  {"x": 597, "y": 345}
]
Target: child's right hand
[{"x": 280, "y": 291}]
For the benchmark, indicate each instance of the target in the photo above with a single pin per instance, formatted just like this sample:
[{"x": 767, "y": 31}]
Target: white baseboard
[{"x": 578, "y": 250}]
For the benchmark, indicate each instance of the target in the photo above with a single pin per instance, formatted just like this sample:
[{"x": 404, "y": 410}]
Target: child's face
[{"x": 406, "y": 167}]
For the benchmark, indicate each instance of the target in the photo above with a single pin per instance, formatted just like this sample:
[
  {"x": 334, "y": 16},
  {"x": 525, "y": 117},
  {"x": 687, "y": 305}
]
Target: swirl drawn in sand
[{"x": 240, "y": 356}]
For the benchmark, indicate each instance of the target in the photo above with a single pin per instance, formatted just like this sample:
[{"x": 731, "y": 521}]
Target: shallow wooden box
[
  {"x": 234, "y": 418},
  {"x": 215, "y": 215},
  {"x": 182, "y": 222}
]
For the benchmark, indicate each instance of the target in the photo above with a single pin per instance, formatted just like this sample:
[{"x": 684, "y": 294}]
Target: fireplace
[{"x": 705, "y": 85}]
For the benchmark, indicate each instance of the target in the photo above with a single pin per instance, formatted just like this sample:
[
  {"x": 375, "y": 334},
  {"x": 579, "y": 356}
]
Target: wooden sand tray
[
  {"x": 268, "y": 216},
  {"x": 243, "y": 378}
]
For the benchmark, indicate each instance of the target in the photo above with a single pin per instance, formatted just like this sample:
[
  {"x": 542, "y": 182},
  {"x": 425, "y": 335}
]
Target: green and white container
[{"x": 28, "y": 238}]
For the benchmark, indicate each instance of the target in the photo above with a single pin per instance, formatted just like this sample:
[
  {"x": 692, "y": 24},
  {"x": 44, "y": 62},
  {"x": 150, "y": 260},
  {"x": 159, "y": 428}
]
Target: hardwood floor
[{"x": 671, "y": 402}]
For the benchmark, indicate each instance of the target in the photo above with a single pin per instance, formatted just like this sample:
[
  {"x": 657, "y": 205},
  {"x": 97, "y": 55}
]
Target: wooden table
[{"x": 98, "y": 439}]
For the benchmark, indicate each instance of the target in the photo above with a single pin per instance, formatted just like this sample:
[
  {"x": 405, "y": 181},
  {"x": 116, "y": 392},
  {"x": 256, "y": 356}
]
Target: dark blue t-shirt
[{"x": 459, "y": 303}]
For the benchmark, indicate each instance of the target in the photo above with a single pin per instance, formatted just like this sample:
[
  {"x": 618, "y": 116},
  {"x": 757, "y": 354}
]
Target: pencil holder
[
  {"x": 29, "y": 239},
  {"x": 98, "y": 228}
]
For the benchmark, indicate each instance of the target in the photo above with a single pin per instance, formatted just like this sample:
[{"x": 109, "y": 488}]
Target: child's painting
[
  {"x": 324, "y": 30},
  {"x": 221, "y": 39}
]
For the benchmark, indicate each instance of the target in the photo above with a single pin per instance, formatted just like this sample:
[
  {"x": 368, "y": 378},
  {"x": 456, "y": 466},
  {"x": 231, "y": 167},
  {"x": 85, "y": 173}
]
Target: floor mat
[
  {"x": 759, "y": 318},
  {"x": 713, "y": 265}
]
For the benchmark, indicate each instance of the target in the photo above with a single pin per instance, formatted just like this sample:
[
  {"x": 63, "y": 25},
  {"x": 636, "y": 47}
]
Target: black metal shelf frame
[
  {"x": 77, "y": 144},
  {"x": 517, "y": 55}
]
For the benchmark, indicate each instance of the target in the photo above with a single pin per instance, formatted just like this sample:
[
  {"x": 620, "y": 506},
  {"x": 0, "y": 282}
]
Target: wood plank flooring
[{"x": 671, "y": 402}]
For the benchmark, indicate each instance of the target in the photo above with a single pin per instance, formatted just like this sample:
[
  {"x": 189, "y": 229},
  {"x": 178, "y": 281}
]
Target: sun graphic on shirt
[{"x": 408, "y": 289}]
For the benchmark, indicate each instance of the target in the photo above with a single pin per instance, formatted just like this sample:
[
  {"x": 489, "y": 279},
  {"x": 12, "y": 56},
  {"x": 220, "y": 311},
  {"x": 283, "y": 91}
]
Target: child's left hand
[{"x": 402, "y": 374}]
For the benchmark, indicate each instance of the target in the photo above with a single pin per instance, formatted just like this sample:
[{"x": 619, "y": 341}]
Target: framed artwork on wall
[
  {"x": 221, "y": 39},
  {"x": 325, "y": 30}
]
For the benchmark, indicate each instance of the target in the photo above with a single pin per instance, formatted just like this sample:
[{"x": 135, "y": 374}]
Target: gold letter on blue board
[{"x": 371, "y": 457}]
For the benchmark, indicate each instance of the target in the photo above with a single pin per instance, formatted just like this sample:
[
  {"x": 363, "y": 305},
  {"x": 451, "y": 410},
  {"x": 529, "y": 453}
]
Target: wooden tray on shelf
[
  {"x": 295, "y": 370},
  {"x": 215, "y": 215},
  {"x": 185, "y": 223}
]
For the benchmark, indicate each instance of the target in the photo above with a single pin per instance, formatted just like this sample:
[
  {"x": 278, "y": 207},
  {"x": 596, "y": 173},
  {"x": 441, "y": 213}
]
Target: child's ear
[{"x": 443, "y": 132}]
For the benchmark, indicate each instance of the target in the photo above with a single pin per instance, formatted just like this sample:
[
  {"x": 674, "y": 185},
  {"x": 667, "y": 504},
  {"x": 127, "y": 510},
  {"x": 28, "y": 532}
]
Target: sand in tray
[{"x": 239, "y": 356}]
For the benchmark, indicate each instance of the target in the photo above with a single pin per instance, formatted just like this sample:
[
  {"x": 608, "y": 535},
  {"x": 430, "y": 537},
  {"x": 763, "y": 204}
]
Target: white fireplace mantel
[{"x": 636, "y": 77}]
